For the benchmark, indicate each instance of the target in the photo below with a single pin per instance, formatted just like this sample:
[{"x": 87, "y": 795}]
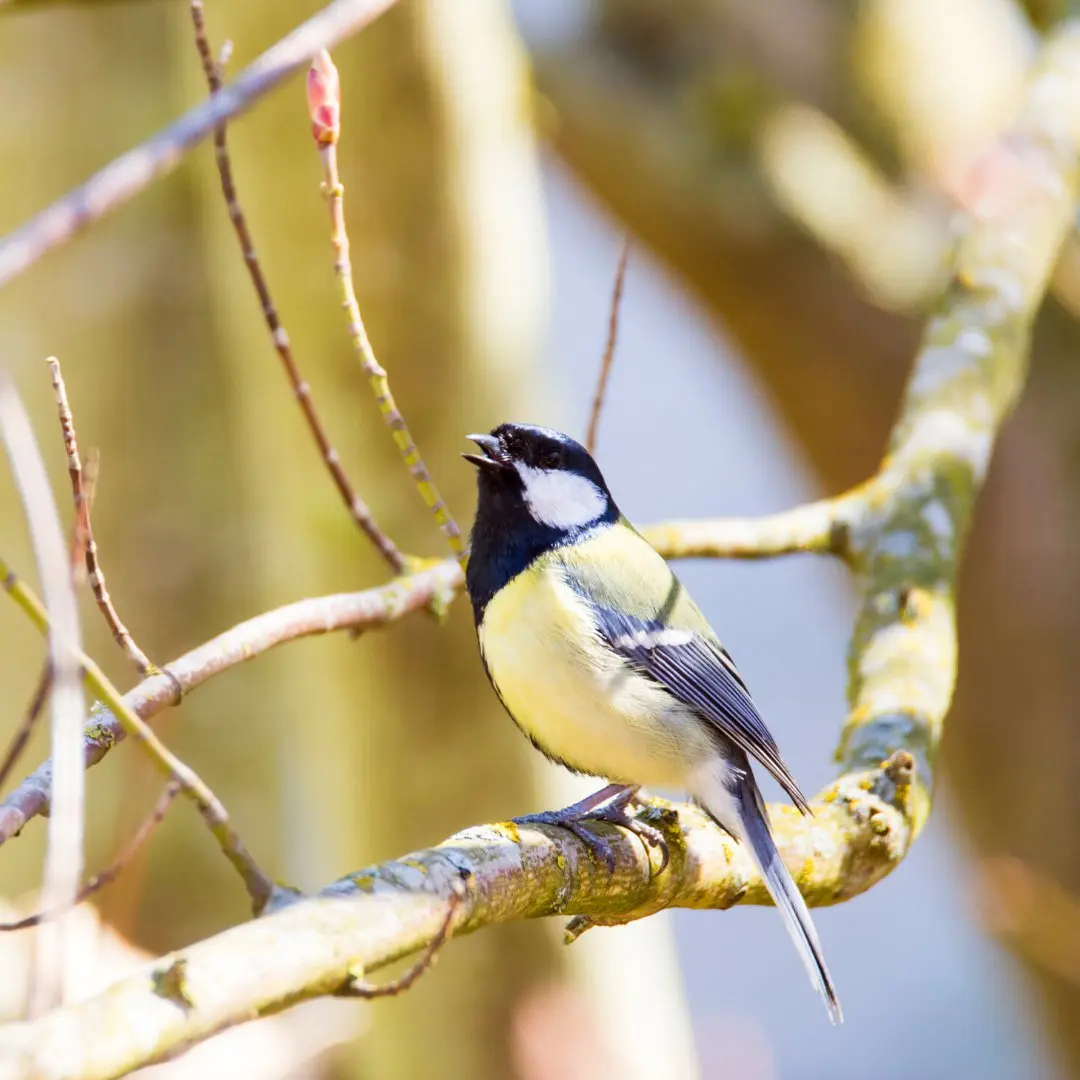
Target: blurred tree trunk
[{"x": 657, "y": 112}]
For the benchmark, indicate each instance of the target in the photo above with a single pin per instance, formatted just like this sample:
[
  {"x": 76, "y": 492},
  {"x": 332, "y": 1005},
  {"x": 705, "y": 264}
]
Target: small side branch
[
  {"x": 115, "y": 868},
  {"x": 819, "y": 528},
  {"x": 84, "y": 531},
  {"x": 324, "y": 103},
  {"x": 609, "y": 349},
  {"x": 358, "y": 987},
  {"x": 357, "y": 507}
]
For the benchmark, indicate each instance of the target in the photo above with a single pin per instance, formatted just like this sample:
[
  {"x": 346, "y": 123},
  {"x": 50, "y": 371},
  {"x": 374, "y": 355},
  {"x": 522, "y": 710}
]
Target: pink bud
[{"x": 324, "y": 99}]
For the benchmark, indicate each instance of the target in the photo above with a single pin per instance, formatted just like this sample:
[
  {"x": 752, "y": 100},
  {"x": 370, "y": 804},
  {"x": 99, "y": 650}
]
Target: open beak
[{"x": 493, "y": 457}]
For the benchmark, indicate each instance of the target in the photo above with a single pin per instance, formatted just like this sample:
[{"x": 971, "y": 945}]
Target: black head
[{"x": 538, "y": 489}]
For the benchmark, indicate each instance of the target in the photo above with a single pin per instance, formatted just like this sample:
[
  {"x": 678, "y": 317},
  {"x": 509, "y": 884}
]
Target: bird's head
[{"x": 534, "y": 477}]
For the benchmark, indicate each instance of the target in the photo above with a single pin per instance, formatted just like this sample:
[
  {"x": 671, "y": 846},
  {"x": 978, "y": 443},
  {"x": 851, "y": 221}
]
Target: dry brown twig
[
  {"x": 26, "y": 728},
  {"x": 324, "y": 105},
  {"x": 358, "y": 509},
  {"x": 83, "y": 530},
  {"x": 84, "y": 507},
  {"x": 609, "y": 348},
  {"x": 115, "y": 868},
  {"x": 356, "y": 985}
]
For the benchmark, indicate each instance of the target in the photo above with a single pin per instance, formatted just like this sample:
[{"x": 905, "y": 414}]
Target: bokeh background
[{"x": 787, "y": 172}]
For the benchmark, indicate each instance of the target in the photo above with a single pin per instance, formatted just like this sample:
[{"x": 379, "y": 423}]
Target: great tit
[{"x": 602, "y": 659}]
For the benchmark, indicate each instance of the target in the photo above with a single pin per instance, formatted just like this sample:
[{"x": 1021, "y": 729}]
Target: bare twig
[
  {"x": 318, "y": 615},
  {"x": 819, "y": 528},
  {"x": 324, "y": 100},
  {"x": 132, "y": 171},
  {"x": 84, "y": 529},
  {"x": 64, "y": 853},
  {"x": 357, "y": 986},
  {"x": 84, "y": 508},
  {"x": 259, "y": 886},
  {"x": 357, "y": 507},
  {"x": 609, "y": 347},
  {"x": 116, "y": 867},
  {"x": 26, "y": 728}
]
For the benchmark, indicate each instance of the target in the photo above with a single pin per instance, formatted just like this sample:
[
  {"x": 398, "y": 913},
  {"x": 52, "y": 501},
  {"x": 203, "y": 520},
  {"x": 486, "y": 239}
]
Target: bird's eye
[{"x": 550, "y": 459}]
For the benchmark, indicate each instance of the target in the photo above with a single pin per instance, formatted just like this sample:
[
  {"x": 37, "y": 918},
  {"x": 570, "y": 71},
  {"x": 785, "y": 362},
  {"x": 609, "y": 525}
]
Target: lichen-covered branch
[
  {"x": 902, "y": 533},
  {"x": 322, "y": 944}
]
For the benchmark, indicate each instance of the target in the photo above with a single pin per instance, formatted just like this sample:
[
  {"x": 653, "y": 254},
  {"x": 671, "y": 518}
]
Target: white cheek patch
[{"x": 562, "y": 500}]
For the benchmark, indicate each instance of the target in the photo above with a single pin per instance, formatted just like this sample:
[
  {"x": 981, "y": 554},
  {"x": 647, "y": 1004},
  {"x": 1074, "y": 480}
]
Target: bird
[{"x": 604, "y": 662}]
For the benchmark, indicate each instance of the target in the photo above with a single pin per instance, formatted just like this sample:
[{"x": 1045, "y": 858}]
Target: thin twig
[
  {"x": 358, "y": 987},
  {"x": 64, "y": 851},
  {"x": 26, "y": 728},
  {"x": 376, "y": 373},
  {"x": 115, "y": 868},
  {"x": 304, "y": 618},
  {"x": 357, "y": 507},
  {"x": 609, "y": 348},
  {"x": 84, "y": 508},
  {"x": 84, "y": 529},
  {"x": 134, "y": 170},
  {"x": 78, "y": 574},
  {"x": 259, "y": 886}
]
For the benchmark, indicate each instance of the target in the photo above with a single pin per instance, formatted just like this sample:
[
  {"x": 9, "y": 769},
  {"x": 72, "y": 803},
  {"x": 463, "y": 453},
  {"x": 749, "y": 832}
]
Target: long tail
[{"x": 742, "y": 813}]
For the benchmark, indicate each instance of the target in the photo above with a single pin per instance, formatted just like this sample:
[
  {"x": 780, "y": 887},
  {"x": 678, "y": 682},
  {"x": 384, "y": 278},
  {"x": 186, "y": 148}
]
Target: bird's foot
[{"x": 609, "y": 804}]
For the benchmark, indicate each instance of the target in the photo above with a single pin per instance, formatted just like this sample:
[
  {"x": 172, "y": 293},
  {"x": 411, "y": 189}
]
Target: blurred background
[{"x": 787, "y": 172}]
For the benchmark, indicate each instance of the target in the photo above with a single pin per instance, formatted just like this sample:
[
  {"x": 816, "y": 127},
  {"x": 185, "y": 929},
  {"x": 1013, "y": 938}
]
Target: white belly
[{"x": 585, "y": 707}]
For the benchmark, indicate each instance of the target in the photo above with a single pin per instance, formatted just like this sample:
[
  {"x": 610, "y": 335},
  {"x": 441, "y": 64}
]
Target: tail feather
[{"x": 752, "y": 829}]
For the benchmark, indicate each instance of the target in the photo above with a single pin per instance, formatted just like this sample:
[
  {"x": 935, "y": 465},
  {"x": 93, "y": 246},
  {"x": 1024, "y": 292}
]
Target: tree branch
[
  {"x": 320, "y": 615},
  {"x": 260, "y": 888},
  {"x": 358, "y": 509},
  {"x": 134, "y": 170},
  {"x": 904, "y": 532},
  {"x": 324, "y": 104}
]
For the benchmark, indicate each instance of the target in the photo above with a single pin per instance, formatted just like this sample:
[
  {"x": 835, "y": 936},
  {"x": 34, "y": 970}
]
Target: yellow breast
[{"x": 577, "y": 700}]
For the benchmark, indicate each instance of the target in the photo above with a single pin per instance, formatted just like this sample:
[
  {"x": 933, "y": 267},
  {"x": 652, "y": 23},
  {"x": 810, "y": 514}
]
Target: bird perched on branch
[{"x": 606, "y": 664}]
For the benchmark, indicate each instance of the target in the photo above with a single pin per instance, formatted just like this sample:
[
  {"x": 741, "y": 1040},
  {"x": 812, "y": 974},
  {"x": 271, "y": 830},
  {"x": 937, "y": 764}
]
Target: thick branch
[
  {"x": 323, "y": 944},
  {"x": 128, "y": 174}
]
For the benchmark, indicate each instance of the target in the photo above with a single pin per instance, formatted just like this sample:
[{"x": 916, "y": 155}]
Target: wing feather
[{"x": 700, "y": 673}]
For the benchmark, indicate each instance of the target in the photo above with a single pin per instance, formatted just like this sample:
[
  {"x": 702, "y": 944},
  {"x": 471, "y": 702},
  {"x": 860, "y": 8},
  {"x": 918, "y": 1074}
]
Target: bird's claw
[
  {"x": 574, "y": 819},
  {"x": 653, "y": 837}
]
